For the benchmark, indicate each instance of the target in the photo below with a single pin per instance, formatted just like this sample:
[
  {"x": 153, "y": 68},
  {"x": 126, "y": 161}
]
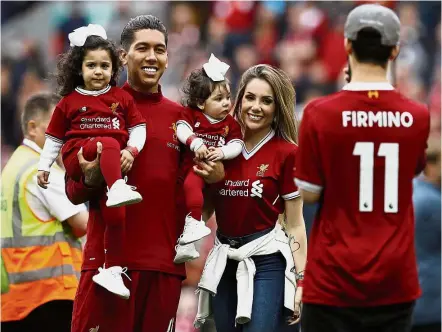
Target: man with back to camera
[
  {"x": 359, "y": 150},
  {"x": 153, "y": 225}
]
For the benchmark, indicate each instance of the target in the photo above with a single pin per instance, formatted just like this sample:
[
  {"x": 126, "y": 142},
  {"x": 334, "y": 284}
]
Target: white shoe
[
  {"x": 185, "y": 253},
  {"x": 110, "y": 279},
  {"x": 122, "y": 194},
  {"x": 194, "y": 230}
]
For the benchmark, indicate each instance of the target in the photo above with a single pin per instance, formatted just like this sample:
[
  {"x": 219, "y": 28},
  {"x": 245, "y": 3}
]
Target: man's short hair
[
  {"x": 368, "y": 48},
  {"x": 36, "y": 105},
  {"x": 141, "y": 22}
]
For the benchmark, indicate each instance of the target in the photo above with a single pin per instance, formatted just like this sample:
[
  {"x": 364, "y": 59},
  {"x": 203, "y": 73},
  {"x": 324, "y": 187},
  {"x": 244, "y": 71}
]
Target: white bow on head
[
  {"x": 216, "y": 69},
  {"x": 79, "y": 36}
]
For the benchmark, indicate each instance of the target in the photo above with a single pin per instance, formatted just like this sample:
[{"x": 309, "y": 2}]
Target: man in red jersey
[
  {"x": 359, "y": 150},
  {"x": 151, "y": 226}
]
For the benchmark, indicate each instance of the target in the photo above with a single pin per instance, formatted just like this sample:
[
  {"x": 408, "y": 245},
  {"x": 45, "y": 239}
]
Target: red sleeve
[
  {"x": 187, "y": 117},
  {"x": 133, "y": 115},
  {"x": 288, "y": 189},
  {"x": 77, "y": 192},
  {"x": 234, "y": 131},
  {"x": 308, "y": 172},
  {"x": 59, "y": 124}
]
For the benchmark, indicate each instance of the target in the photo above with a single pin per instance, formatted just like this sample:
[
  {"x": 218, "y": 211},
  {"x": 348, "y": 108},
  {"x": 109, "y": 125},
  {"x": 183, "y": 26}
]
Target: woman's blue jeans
[{"x": 268, "y": 312}]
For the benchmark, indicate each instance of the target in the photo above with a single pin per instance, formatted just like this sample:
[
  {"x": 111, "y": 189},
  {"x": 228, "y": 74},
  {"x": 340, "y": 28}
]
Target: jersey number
[{"x": 390, "y": 151}]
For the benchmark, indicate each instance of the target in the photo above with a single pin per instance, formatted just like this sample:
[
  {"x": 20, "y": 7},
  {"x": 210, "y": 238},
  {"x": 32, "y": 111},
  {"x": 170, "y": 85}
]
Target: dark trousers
[
  {"x": 387, "y": 318},
  {"x": 54, "y": 316}
]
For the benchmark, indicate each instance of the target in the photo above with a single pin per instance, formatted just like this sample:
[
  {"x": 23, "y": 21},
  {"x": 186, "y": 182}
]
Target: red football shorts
[{"x": 152, "y": 306}]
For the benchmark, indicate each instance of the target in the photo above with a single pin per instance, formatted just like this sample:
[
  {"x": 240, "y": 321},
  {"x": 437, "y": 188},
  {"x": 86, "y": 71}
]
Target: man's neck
[
  {"x": 143, "y": 89},
  {"x": 362, "y": 72}
]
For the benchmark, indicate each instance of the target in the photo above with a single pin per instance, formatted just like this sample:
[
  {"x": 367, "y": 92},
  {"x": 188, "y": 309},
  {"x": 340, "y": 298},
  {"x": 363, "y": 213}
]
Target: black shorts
[{"x": 387, "y": 318}]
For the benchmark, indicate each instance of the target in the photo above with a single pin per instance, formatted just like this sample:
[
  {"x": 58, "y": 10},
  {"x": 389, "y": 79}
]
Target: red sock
[
  {"x": 114, "y": 233},
  {"x": 193, "y": 192},
  {"x": 110, "y": 160}
]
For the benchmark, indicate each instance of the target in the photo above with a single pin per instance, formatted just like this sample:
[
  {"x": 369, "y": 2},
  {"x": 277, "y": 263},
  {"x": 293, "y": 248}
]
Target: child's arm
[
  {"x": 229, "y": 151},
  {"x": 50, "y": 152},
  {"x": 186, "y": 136},
  {"x": 137, "y": 139}
]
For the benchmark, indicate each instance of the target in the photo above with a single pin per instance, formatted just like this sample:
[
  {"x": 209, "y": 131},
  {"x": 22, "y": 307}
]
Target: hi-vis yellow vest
[{"x": 42, "y": 261}]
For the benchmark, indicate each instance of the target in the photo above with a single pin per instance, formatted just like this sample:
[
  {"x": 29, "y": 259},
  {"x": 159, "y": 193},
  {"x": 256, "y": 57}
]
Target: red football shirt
[
  {"x": 361, "y": 148},
  {"x": 152, "y": 226},
  {"x": 257, "y": 182},
  {"x": 215, "y": 133},
  {"x": 109, "y": 112}
]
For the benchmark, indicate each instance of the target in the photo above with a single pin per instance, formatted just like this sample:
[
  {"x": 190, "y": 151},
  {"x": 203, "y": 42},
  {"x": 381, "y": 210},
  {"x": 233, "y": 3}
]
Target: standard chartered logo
[
  {"x": 256, "y": 189},
  {"x": 115, "y": 123},
  {"x": 242, "y": 188}
]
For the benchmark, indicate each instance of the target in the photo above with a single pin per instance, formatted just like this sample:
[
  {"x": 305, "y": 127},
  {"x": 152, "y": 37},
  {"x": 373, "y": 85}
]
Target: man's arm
[
  {"x": 85, "y": 190},
  {"x": 78, "y": 223}
]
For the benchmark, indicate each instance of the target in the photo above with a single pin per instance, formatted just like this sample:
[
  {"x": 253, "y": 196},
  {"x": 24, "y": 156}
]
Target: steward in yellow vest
[{"x": 41, "y": 252}]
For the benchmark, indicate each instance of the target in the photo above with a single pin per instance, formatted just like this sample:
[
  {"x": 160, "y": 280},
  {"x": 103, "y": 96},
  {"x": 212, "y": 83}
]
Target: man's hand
[
  {"x": 91, "y": 169},
  {"x": 298, "y": 307},
  {"x": 126, "y": 161},
  {"x": 202, "y": 152},
  {"x": 215, "y": 154},
  {"x": 43, "y": 179},
  {"x": 211, "y": 172}
]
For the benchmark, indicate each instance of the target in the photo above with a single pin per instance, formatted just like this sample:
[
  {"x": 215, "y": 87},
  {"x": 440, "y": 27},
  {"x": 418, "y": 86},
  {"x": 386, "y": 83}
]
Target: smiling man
[{"x": 152, "y": 226}]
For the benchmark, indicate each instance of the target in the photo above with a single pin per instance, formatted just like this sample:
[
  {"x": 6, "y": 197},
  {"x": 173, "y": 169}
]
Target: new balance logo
[
  {"x": 115, "y": 123},
  {"x": 257, "y": 189}
]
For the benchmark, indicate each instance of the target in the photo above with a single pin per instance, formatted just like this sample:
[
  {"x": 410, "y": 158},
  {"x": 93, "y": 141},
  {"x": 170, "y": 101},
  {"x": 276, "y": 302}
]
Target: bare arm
[
  {"x": 295, "y": 228},
  {"x": 78, "y": 223},
  {"x": 309, "y": 197}
]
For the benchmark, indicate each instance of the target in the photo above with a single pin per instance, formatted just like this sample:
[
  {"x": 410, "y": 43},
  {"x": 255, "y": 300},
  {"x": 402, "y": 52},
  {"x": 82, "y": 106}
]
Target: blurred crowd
[{"x": 304, "y": 38}]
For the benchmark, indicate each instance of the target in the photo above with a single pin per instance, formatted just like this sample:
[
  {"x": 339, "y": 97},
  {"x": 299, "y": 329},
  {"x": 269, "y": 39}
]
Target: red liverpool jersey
[
  {"x": 257, "y": 182},
  {"x": 215, "y": 133},
  {"x": 153, "y": 225},
  {"x": 361, "y": 149},
  {"x": 109, "y": 112}
]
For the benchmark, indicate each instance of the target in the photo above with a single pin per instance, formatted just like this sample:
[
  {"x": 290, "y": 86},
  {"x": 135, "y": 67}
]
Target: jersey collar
[
  {"x": 92, "y": 92},
  {"x": 249, "y": 154},
  {"x": 213, "y": 120},
  {"x": 367, "y": 86},
  {"x": 30, "y": 144}
]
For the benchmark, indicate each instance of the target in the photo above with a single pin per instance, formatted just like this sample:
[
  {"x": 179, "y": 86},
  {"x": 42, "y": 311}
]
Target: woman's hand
[{"x": 298, "y": 307}]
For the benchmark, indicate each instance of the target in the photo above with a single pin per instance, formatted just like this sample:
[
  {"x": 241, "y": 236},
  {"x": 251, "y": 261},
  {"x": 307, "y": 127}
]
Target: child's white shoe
[
  {"x": 194, "y": 230},
  {"x": 122, "y": 194},
  {"x": 111, "y": 279},
  {"x": 185, "y": 253}
]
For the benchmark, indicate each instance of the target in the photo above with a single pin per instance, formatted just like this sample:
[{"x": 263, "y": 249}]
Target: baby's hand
[
  {"x": 126, "y": 161},
  {"x": 42, "y": 179},
  {"x": 215, "y": 154},
  {"x": 201, "y": 153}
]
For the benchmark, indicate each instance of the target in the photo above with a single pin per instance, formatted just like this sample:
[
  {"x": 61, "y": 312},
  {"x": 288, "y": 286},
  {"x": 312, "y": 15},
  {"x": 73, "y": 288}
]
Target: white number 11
[{"x": 391, "y": 153}]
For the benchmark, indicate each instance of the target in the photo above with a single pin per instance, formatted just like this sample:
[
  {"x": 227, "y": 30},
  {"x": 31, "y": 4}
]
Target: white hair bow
[
  {"x": 216, "y": 69},
  {"x": 79, "y": 36}
]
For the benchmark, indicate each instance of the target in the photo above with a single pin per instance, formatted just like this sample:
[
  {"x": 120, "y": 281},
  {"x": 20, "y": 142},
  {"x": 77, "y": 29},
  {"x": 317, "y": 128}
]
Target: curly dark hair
[
  {"x": 198, "y": 87},
  {"x": 69, "y": 64}
]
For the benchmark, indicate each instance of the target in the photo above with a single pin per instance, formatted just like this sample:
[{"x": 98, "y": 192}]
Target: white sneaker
[
  {"x": 122, "y": 194},
  {"x": 194, "y": 230},
  {"x": 110, "y": 279},
  {"x": 185, "y": 253}
]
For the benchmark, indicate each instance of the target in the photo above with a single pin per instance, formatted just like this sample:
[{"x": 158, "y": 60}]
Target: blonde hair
[{"x": 285, "y": 123}]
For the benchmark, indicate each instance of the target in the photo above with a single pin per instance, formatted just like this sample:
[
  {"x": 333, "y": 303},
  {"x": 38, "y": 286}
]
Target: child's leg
[
  {"x": 193, "y": 192},
  {"x": 110, "y": 157},
  {"x": 114, "y": 234}
]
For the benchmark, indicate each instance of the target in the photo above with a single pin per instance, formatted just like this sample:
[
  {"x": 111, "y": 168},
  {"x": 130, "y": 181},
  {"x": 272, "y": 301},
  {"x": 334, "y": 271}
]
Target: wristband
[
  {"x": 133, "y": 151},
  {"x": 190, "y": 139}
]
